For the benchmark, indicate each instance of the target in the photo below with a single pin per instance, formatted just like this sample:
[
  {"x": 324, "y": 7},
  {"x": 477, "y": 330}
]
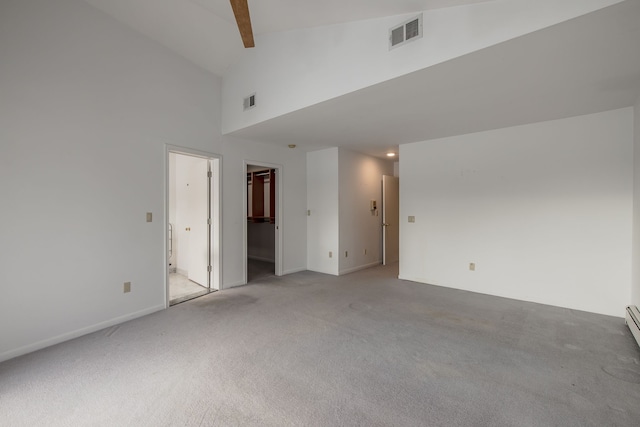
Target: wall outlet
[
  {"x": 149, "y": 216},
  {"x": 330, "y": 254},
  {"x": 365, "y": 252},
  {"x": 308, "y": 212},
  {"x": 127, "y": 287},
  {"x": 412, "y": 218},
  {"x": 472, "y": 266},
  {"x": 346, "y": 254}
]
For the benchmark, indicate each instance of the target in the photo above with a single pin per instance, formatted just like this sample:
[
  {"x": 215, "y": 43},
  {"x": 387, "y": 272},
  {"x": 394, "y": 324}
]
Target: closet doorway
[
  {"x": 193, "y": 226},
  {"x": 263, "y": 221}
]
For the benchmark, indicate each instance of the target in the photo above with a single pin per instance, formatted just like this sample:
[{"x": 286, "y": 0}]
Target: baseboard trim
[
  {"x": 30, "y": 348},
  {"x": 358, "y": 268},
  {"x": 233, "y": 285},
  {"x": 294, "y": 270}
]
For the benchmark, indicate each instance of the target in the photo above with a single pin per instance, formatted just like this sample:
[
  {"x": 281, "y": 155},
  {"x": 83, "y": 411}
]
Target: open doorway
[
  {"x": 390, "y": 219},
  {"x": 193, "y": 226},
  {"x": 262, "y": 225}
]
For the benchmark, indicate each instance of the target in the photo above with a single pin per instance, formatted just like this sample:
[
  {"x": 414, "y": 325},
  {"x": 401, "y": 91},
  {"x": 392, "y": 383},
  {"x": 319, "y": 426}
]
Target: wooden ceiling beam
[{"x": 241, "y": 12}]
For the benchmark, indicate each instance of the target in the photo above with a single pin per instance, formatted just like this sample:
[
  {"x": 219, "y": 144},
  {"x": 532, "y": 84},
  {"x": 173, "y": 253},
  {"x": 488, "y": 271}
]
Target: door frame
[
  {"x": 215, "y": 237},
  {"x": 279, "y": 221},
  {"x": 385, "y": 215}
]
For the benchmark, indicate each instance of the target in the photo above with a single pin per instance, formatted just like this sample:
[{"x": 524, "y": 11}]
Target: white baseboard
[
  {"x": 294, "y": 270},
  {"x": 77, "y": 333},
  {"x": 358, "y": 268},
  {"x": 233, "y": 284}
]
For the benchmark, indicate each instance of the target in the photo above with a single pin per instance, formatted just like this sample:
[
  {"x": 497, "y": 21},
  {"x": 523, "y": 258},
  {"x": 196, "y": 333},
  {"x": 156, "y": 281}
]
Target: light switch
[
  {"x": 412, "y": 218},
  {"x": 149, "y": 217}
]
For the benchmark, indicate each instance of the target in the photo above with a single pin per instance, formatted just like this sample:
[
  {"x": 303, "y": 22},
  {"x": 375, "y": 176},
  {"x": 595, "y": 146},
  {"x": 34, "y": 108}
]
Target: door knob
[{"x": 385, "y": 224}]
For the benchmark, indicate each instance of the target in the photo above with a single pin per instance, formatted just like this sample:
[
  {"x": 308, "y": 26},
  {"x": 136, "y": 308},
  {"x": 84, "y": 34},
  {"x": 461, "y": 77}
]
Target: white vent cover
[
  {"x": 406, "y": 32},
  {"x": 249, "y": 102}
]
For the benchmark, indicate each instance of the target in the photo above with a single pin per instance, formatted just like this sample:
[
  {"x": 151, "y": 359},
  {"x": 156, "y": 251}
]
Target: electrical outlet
[
  {"x": 365, "y": 252},
  {"x": 127, "y": 287},
  {"x": 330, "y": 254},
  {"x": 412, "y": 218},
  {"x": 346, "y": 254},
  {"x": 149, "y": 216},
  {"x": 472, "y": 266}
]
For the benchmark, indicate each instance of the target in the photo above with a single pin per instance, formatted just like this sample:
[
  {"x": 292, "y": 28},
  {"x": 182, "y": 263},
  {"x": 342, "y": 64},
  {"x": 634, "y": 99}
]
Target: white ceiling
[
  {"x": 588, "y": 64},
  {"x": 204, "y": 31}
]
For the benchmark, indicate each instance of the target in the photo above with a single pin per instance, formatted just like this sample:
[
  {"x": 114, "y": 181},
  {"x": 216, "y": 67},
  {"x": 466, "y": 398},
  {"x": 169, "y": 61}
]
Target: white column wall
[{"x": 323, "y": 204}]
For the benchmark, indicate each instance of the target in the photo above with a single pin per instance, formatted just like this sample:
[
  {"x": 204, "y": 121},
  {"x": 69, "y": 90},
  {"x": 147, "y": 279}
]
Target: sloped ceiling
[
  {"x": 204, "y": 31},
  {"x": 585, "y": 65}
]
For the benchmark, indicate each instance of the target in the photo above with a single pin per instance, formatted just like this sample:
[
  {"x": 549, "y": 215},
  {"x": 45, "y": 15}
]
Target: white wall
[
  {"x": 293, "y": 173},
  {"x": 86, "y": 111},
  {"x": 322, "y": 201},
  {"x": 295, "y": 69},
  {"x": 544, "y": 210},
  {"x": 360, "y": 181},
  {"x": 635, "y": 289}
]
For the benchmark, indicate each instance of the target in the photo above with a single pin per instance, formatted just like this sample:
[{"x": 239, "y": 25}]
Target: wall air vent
[
  {"x": 249, "y": 102},
  {"x": 406, "y": 32}
]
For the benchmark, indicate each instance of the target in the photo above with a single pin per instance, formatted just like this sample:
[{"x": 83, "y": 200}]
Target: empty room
[{"x": 320, "y": 213}]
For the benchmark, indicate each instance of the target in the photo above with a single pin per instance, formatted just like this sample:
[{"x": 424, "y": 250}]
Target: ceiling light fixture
[
  {"x": 292, "y": 145},
  {"x": 391, "y": 154}
]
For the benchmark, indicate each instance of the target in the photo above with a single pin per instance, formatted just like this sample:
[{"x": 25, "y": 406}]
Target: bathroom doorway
[{"x": 193, "y": 226}]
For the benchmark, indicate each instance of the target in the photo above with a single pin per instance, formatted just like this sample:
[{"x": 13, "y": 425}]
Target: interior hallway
[{"x": 313, "y": 349}]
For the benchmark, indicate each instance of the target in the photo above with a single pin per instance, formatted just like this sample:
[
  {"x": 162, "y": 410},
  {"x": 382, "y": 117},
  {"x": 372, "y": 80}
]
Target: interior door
[
  {"x": 390, "y": 219},
  {"x": 198, "y": 208}
]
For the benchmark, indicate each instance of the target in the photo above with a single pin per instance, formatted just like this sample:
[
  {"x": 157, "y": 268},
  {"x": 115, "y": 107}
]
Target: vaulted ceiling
[
  {"x": 584, "y": 65},
  {"x": 205, "y": 32}
]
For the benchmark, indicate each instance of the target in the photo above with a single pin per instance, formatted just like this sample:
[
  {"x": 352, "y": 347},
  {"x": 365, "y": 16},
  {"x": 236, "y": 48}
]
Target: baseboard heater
[{"x": 632, "y": 320}]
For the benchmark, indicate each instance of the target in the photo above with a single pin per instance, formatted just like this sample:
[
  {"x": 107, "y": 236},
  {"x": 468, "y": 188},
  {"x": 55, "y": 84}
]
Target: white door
[
  {"x": 390, "y": 219},
  {"x": 198, "y": 214}
]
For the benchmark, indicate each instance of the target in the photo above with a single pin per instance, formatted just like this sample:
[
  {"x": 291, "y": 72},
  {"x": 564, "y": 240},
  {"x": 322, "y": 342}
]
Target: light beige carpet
[{"x": 308, "y": 349}]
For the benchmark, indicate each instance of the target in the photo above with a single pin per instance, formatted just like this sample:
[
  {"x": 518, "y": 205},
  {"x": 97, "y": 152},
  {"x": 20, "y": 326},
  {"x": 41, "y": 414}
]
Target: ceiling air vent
[
  {"x": 249, "y": 102},
  {"x": 406, "y": 32}
]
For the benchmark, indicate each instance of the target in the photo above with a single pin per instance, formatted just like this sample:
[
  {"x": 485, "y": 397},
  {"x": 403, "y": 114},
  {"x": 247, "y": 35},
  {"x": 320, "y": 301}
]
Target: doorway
[
  {"x": 193, "y": 225},
  {"x": 262, "y": 228},
  {"x": 390, "y": 219}
]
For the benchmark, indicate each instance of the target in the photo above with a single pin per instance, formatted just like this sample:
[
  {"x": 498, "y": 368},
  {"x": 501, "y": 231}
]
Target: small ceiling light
[
  {"x": 292, "y": 145},
  {"x": 391, "y": 154}
]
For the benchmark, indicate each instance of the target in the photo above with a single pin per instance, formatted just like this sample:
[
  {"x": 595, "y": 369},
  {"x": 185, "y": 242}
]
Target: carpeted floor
[{"x": 314, "y": 350}]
